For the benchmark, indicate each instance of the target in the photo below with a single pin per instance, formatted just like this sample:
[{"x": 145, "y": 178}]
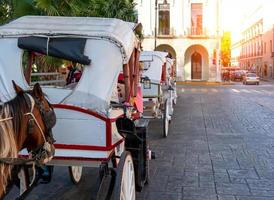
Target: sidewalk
[
  {"x": 204, "y": 83},
  {"x": 269, "y": 80}
]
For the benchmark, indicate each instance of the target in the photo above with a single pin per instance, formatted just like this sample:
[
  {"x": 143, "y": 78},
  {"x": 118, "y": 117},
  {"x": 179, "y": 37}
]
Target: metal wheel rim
[
  {"x": 128, "y": 181},
  {"x": 76, "y": 172},
  {"x": 174, "y": 101}
]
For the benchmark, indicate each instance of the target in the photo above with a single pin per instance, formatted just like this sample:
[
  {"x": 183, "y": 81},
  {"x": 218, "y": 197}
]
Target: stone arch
[
  {"x": 192, "y": 50},
  {"x": 167, "y": 48}
]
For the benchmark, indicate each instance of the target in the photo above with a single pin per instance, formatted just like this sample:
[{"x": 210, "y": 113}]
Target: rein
[{"x": 6, "y": 119}]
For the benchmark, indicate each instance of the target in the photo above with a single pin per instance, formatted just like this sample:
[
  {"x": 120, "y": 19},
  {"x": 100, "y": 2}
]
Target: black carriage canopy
[{"x": 65, "y": 48}]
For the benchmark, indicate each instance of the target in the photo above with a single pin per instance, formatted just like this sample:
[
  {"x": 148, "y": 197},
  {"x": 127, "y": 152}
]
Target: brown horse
[{"x": 25, "y": 122}]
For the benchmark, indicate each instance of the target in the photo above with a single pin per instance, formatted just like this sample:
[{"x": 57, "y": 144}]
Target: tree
[
  {"x": 122, "y": 9},
  {"x": 226, "y": 49},
  {"x": 12, "y": 9},
  {"x": 4, "y": 11}
]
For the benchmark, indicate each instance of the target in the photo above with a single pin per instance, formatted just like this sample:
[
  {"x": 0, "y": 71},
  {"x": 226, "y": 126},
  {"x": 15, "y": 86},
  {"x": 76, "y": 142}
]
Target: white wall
[{"x": 180, "y": 22}]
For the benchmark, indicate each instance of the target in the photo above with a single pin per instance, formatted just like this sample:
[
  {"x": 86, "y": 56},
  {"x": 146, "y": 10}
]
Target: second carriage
[{"x": 158, "y": 87}]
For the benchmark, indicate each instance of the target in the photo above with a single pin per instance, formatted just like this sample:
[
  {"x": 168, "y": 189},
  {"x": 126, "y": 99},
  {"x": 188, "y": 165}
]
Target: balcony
[
  {"x": 166, "y": 33},
  {"x": 197, "y": 33}
]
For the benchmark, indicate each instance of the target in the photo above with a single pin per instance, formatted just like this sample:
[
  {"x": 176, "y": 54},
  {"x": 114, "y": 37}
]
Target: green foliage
[
  {"x": 4, "y": 11},
  {"x": 122, "y": 9},
  {"x": 226, "y": 49},
  {"x": 12, "y": 9},
  {"x": 48, "y": 63},
  {"x": 23, "y": 7}
]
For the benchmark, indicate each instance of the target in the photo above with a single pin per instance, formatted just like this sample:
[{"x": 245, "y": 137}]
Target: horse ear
[
  {"x": 37, "y": 91},
  {"x": 17, "y": 88}
]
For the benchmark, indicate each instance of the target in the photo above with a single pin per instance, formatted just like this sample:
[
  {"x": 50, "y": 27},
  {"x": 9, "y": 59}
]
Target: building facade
[
  {"x": 189, "y": 30},
  {"x": 256, "y": 42}
]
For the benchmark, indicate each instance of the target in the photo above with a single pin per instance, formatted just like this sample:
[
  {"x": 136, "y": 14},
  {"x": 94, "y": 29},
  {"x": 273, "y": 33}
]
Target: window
[
  {"x": 48, "y": 70},
  {"x": 265, "y": 47},
  {"x": 164, "y": 19},
  {"x": 271, "y": 46},
  {"x": 51, "y": 69},
  {"x": 196, "y": 19}
]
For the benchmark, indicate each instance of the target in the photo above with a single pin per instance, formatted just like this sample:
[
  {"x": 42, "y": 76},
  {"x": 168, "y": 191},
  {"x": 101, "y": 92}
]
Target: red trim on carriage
[
  {"x": 74, "y": 158},
  {"x": 108, "y": 133},
  {"x": 83, "y": 110},
  {"x": 80, "y": 159},
  {"x": 97, "y": 115},
  {"x": 87, "y": 147}
]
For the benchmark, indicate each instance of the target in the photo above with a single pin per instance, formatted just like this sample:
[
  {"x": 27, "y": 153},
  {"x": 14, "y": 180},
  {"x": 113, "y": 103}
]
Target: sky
[{"x": 233, "y": 12}]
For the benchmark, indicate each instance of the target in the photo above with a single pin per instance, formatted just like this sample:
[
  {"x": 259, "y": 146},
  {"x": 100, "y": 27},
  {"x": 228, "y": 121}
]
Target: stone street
[{"x": 220, "y": 147}]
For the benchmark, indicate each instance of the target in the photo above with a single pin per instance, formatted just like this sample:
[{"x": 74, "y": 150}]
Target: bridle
[
  {"x": 49, "y": 120},
  {"x": 44, "y": 151}
]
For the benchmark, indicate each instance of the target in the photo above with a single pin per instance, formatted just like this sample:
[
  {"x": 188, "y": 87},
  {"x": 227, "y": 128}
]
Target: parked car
[
  {"x": 237, "y": 75},
  {"x": 251, "y": 78}
]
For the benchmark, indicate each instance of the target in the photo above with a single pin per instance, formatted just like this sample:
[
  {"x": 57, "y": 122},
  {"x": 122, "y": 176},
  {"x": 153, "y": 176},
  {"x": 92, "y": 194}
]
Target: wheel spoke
[
  {"x": 132, "y": 188},
  {"x": 132, "y": 183},
  {"x": 128, "y": 167},
  {"x": 125, "y": 184},
  {"x": 124, "y": 189}
]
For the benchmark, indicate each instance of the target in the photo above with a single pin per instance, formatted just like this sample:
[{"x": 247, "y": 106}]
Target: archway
[
  {"x": 196, "y": 63},
  {"x": 167, "y": 48},
  {"x": 196, "y": 66}
]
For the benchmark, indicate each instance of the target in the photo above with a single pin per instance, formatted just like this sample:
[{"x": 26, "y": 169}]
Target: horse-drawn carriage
[
  {"x": 96, "y": 125},
  {"x": 171, "y": 70},
  {"x": 159, "y": 87}
]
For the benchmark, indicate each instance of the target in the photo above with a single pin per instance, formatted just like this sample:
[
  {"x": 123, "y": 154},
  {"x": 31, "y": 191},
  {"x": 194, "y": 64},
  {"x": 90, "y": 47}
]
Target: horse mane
[{"x": 9, "y": 134}]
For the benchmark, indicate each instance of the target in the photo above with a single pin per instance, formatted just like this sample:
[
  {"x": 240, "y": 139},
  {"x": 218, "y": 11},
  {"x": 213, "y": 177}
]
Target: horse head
[
  {"x": 40, "y": 121},
  {"x": 25, "y": 122}
]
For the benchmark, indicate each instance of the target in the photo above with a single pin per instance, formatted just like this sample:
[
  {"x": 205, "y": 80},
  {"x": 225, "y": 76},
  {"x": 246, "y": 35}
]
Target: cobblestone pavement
[{"x": 220, "y": 147}]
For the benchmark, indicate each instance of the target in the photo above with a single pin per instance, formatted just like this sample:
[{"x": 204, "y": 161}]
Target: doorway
[{"x": 196, "y": 66}]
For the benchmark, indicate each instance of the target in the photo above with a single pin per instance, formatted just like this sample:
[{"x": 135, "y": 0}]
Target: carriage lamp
[{"x": 146, "y": 82}]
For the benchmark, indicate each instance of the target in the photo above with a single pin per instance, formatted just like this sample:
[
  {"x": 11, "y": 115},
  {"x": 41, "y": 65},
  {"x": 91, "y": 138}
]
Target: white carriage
[
  {"x": 158, "y": 87},
  {"x": 96, "y": 125},
  {"x": 171, "y": 79}
]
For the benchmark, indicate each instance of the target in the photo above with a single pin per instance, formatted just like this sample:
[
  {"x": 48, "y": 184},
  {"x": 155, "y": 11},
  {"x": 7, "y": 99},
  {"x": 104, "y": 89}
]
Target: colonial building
[
  {"x": 236, "y": 49},
  {"x": 256, "y": 42},
  {"x": 189, "y": 30}
]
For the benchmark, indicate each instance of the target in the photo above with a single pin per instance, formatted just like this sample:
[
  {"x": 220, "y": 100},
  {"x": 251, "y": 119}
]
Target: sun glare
[{"x": 234, "y": 12}]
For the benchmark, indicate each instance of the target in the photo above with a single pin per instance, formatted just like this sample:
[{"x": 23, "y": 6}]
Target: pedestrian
[{"x": 74, "y": 74}]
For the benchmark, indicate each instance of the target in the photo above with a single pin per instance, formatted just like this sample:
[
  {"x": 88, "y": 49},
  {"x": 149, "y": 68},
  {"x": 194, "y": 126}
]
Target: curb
[{"x": 202, "y": 83}]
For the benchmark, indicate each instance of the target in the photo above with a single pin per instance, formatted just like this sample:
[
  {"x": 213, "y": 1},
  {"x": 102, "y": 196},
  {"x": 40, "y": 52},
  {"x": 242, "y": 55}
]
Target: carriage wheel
[
  {"x": 124, "y": 186},
  {"x": 142, "y": 168},
  {"x": 165, "y": 119},
  {"x": 75, "y": 173},
  {"x": 174, "y": 101}
]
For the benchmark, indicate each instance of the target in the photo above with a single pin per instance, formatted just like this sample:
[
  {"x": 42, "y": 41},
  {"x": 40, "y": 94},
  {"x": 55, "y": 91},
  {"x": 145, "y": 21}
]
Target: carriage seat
[{"x": 56, "y": 94}]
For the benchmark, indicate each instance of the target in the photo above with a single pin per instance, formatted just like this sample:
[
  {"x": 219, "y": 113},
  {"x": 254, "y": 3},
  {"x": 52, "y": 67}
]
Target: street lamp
[{"x": 155, "y": 28}]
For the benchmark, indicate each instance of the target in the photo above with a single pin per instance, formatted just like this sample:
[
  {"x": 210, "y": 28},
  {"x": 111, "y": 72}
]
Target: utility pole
[
  {"x": 155, "y": 28},
  {"x": 218, "y": 64}
]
